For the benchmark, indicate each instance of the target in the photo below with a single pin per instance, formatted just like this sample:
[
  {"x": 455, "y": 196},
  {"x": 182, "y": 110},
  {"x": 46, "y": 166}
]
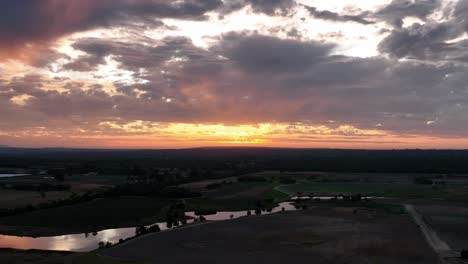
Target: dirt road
[{"x": 439, "y": 246}]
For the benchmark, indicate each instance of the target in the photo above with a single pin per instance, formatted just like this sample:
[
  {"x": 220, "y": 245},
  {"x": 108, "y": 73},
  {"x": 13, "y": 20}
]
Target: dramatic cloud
[
  {"x": 423, "y": 42},
  {"x": 397, "y": 10},
  {"x": 328, "y": 15},
  {"x": 279, "y": 73},
  {"x": 256, "y": 53},
  {"x": 25, "y": 21}
]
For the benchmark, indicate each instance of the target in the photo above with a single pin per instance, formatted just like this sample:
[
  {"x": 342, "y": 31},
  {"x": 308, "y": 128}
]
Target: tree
[
  {"x": 464, "y": 254},
  {"x": 154, "y": 228},
  {"x": 169, "y": 224},
  {"x": 141, "y": 230}
]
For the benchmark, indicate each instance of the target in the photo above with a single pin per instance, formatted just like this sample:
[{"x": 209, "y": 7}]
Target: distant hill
[{"x": 4, "y": 146}]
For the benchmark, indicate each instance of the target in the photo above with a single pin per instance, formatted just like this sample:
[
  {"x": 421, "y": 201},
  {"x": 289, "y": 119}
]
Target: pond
[{"x": 90, "y": 241}]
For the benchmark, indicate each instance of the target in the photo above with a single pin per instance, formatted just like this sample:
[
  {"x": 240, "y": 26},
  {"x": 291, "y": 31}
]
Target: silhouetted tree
[
  {"x": 141, "y": 230},
  {"x": 464, "y": 254},
  {"x": 154, "y": 228}
]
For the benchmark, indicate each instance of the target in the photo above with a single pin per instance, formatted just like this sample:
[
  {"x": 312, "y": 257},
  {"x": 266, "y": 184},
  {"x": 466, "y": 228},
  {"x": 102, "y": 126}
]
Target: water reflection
[
  {"x": 89, "y": 241},
  {"x": 13, "y": 175}
]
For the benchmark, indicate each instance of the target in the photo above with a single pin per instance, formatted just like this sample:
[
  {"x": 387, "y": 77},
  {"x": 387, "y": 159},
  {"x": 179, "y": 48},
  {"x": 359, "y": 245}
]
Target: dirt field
[
  {"x": 316, "y": 235},
  {"x": 51, "y": 257},
  {"x": 449, "y": 221}
]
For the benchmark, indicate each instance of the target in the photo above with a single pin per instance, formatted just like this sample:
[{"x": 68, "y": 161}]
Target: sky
[{"x": 381, "y": 74}]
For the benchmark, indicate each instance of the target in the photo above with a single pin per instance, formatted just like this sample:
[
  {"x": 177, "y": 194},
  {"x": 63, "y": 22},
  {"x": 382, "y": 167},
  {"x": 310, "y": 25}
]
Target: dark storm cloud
[
  {"x": 397, "y": 10},
  {"x": 26, "y": 21},
  {"x": 328, "y": 15}
]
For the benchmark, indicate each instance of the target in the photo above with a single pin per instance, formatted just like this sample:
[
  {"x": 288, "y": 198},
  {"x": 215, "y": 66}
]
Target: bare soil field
[
  {"x": 316, "y": 235},
  {"x": 53, "y": 257}
]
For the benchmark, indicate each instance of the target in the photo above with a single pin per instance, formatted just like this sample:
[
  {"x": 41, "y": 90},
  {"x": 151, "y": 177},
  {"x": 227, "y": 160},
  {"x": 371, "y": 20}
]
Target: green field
[
  {"x": 397, "y": 190},
  {"x": 237, "y": 196},
  {"x": 12, "y": 198},
  {"x": 88, "y": 216}
]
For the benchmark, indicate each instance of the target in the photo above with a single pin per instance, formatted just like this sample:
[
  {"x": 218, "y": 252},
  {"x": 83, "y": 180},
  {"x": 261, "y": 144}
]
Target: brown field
[
  {"x": 450, "y": 221},
  {"x": 317, "y": 235}
]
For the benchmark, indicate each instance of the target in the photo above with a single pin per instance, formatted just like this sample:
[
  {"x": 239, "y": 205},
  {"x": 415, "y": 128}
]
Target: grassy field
[
  {"x": 87, "y": 217},
  {"x": 79, "y": 184},
  {"x": 378, "y": 189},
  {"x": 237, "y": 196}
]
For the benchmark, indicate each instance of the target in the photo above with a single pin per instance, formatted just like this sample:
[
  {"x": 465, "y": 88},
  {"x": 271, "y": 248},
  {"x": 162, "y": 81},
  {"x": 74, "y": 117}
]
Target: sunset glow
[{"x": 308, "y": 73}]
